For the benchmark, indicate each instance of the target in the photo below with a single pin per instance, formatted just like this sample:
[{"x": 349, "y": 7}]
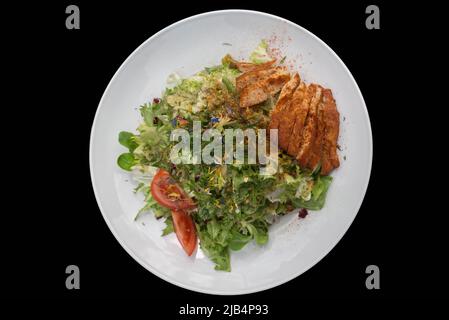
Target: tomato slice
[
  {"x": 168, "y": 193},
  {"x": 185, "y": 230}
]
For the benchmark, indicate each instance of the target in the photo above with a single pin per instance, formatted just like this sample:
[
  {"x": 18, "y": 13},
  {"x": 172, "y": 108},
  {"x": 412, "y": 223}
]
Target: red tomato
[
  {"x": 185, "y": 230},
  {"x": 168, "y": 193}
]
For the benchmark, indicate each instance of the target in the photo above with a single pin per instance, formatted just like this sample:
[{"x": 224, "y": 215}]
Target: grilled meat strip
[
  {"x": 283, "y": 101},
  {"x": 309, "y": 132},
  {"x": 331, "y": 119},
  {"x": 259, "y": 91}
]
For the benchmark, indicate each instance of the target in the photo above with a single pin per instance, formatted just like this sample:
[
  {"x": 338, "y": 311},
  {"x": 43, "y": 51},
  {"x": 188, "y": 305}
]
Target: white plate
[{"x": 186, "y": 47}]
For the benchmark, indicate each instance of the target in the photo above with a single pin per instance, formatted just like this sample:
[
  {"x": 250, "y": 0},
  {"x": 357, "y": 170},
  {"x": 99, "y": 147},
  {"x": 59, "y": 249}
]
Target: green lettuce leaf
[
  {"x": 239, "y": 240},
  {"x": 318, "y": 197},
  {"x": 215, "y": 249},
  {"x": 126, "y": 139},
  {"x": 260, "y": 54},
  {"x": 168, "y": 227},
  {"x": 126, "y": 161}
]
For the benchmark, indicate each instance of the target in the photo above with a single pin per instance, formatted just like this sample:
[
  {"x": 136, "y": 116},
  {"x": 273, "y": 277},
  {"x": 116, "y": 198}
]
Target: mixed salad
[{"x": 221, "y": 206}]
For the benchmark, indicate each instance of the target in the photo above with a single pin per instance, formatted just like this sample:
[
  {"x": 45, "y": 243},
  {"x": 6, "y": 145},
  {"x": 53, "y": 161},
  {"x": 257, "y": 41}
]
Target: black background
[{"x": 54, "y": 221}]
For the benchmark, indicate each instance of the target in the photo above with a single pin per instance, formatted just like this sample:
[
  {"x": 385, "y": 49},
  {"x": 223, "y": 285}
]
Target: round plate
[{"x": 186, "y": 47}]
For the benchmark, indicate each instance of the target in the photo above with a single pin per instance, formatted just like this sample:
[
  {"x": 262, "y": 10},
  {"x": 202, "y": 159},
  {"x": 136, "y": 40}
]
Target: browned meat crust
[
  {"x": 309, "y": 132},
  {"x": 283, "y": 101},
  {"x": 299, "y": 118},
  {"x": 259, "y": 91},
  {"x": 248, "y": 66},
  {"x": 315, "y": 155},
  {"x": 257, "y": 74},
  {"x": 289, "y": 116},
  {"x": 331, "y": 119}
]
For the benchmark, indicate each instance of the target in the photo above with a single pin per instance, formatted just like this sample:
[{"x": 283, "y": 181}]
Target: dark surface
[{"x": 54, "y": 220}]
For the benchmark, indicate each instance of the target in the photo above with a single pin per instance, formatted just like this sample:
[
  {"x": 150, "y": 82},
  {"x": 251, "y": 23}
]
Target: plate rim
[{"x": 167, "y": 278}]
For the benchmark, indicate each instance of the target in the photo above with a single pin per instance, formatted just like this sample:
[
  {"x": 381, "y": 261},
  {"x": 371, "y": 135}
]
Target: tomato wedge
[
  {"x": 168, "y": 193},
  {"x": 185, "y": 230}
]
